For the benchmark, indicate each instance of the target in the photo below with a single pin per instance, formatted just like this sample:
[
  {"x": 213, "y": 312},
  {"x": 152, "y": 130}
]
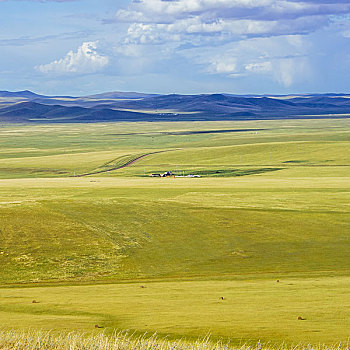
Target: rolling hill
[
  {"x": 28, "y": 107},
  {"x": 258, "y": 241}
]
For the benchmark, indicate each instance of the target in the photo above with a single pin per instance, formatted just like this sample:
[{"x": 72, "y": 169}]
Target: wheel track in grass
[{"x": 126, "y": 164}]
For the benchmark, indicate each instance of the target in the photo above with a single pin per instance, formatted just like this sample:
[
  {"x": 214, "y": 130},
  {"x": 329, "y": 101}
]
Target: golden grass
[
  {"x": 126, "y": 341},
  {"x": 190, "y": 240}
]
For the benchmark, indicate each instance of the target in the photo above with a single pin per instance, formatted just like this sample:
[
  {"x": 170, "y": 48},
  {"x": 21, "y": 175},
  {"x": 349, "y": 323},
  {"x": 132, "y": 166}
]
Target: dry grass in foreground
[{"x": 125, "y": 341}]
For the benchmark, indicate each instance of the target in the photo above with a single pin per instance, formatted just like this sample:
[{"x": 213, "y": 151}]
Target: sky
[{"x": 81, "y": 47}]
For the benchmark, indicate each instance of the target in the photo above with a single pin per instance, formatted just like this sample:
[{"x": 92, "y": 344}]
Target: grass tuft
[{"x": 125, "y": 341}]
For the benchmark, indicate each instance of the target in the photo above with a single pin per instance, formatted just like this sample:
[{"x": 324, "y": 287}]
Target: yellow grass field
[{"x": 126, "y": 251}]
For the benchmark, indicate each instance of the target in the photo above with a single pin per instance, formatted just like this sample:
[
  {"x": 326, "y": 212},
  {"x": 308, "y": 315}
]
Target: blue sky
[{"x": 81, "y": 47}]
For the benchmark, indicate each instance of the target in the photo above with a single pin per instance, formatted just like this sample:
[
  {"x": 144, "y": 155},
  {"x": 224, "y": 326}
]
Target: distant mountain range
[{"x": 28, "y": 107}]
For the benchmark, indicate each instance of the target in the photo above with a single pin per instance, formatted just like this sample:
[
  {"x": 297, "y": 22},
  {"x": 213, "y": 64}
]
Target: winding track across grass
[{"x": 126, "y": 164}]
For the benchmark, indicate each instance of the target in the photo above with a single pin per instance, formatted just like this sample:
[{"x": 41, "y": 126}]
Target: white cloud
[
  {"x": 197, "y": 31},
  {"x": 254, "y": 39},
  {"x": 211, "y": 11},
  {"x": 187, "y": 30},
  {"x": 280, "y": 59},
  {"x": 199, "y": 21},
  {"x": 223, "y": 65},
  {"x": 139, "y": 33},
  {"x": 151, "y": 9},
  {"x": 196, "y": 25},
  {"x": 85, "y": 60}
]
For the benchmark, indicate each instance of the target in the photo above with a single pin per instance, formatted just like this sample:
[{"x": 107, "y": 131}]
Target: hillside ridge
[{"x": 29, "y": 107}]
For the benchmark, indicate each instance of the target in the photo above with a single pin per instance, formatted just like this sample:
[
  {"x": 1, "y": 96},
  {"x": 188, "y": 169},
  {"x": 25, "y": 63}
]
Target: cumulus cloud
[
  {"x": 233, "y": 38},
  {"x": 284, "y": 70},
  {"x": 153, "y": 10},
  {"x": 280, "y": 59},
  {"x": 223, "y": 65},
  {"x": 139, "y": 33},
  {"x": 229, "y": 18},
  {"x": 85, "y": 60}
]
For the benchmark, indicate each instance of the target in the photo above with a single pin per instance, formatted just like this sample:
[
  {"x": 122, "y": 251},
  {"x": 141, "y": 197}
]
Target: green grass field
[{"x": 272, "y": 204}]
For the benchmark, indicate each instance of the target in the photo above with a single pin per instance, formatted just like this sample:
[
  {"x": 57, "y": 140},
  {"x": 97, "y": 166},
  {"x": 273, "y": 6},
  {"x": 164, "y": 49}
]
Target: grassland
[
  {"x": 127, "y": 341},
  {"x": 272, "y": 204},
  {"x": 253, "y": 309}
]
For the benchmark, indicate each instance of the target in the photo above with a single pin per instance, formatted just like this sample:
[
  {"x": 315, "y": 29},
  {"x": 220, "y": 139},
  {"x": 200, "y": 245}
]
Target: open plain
[{"x": 259, "y": 240}]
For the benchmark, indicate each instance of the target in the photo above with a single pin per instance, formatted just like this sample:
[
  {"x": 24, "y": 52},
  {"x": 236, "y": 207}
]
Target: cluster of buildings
[{"x": 170, "y": 174}]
